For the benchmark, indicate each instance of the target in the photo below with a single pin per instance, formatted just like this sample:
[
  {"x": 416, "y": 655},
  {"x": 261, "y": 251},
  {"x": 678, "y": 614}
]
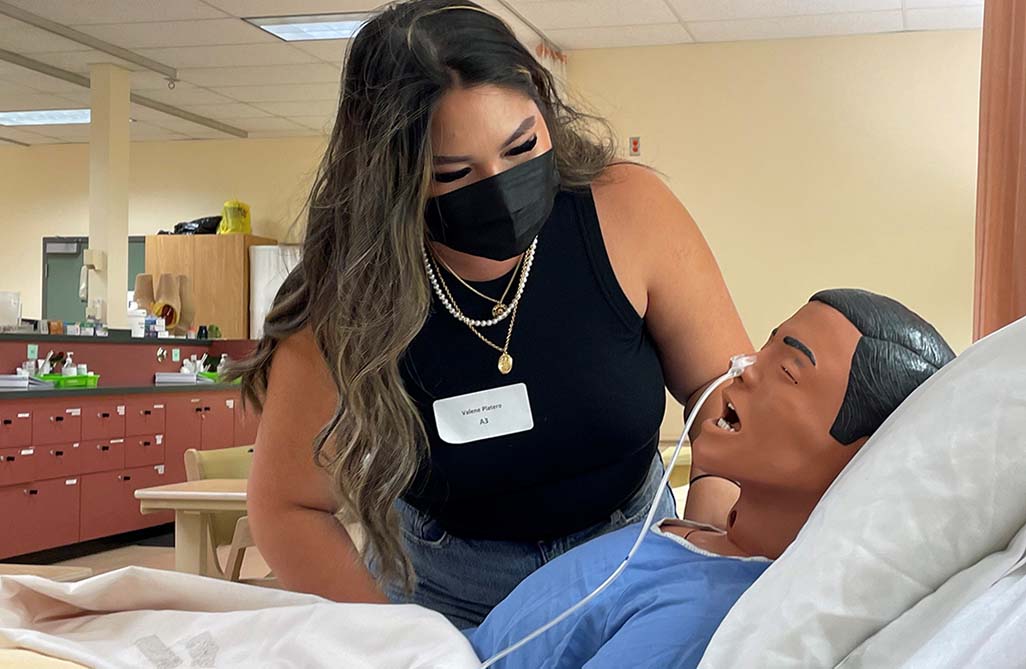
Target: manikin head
[{"x": 821, "y": 385}]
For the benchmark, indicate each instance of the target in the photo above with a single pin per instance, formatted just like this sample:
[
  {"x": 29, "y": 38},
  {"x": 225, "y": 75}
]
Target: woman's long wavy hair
[{"x": 361, "y": 286}]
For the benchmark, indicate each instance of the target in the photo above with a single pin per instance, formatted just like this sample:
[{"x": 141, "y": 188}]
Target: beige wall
[
  {"x": 44, "y": 191},
  {"x": 847, "y": 161}
]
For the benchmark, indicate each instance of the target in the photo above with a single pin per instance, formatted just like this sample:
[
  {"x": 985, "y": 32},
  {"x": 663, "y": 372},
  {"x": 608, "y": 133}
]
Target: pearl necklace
[{"x": 451, "y": 307}]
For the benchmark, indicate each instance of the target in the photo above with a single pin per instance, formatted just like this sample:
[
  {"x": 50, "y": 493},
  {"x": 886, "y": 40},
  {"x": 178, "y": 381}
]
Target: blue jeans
[{"x": 463, "y": 579}]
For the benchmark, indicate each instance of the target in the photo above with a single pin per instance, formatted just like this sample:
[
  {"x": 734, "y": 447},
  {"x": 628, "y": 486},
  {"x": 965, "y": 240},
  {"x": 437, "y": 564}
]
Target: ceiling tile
[
  {"x": 722, "y": 10},
  {"x": 796, "y": 26},
  {"x": 312, "y": 73},
  {"x": 622, "y": 36},
  {"x": 22, "y": 135},
  {"x": 250, "y": 8},
  {"x": 229, "y": 55},
  {"x": 558, "y": 14},
  {"x": 227, "y": 110},
  {"x": 118, "y": 11},
  {"x": 77, "y": 132},
  {"x": 300, "y": 108},
  {"x": 26, "y": 102},
  {"x": 79, "y": 61},
  {"x": 919, "y": 4},
  {"x": 146, "y": 131},
  {"x": 151, "y": 35},
  {"x": 25, "y": 39},
  {"x": 944, "y": 18},
  {"x": 281, "y": 93},
  {"x": 322, "y": 124},
  {"x": 183, "y": 94},
  {"x": 330, "y": 50},
  {"x": 270, "y": 134},
  {"x": 261, "y": 124}
]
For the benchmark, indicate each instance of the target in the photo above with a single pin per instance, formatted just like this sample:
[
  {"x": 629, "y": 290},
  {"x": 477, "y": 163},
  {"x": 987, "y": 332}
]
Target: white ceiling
[{"x": 235, "y": 73}]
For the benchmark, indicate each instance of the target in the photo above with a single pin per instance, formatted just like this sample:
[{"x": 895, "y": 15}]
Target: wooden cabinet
[
  {"x": 15, "y": 425},
  {"x": 144, "y": 416},
  {"x": 69, "y": 468},
  {"x": 246, "y": 422},
  {"x": 56, "y": 423},
  {"x": 218, "y": 269},
  {"x": 104, "y": 419}
]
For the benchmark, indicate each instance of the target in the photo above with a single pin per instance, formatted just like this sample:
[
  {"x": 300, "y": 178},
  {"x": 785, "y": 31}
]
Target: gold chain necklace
[
  {"x": 500, "y": 304},
  {"x": 505, "y": 364}
]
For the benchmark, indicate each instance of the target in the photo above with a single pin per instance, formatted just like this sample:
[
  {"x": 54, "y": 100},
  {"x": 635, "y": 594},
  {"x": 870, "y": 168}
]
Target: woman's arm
[
  {"x": 668, "y": 272},
  {"x": 291, "y": 506}
]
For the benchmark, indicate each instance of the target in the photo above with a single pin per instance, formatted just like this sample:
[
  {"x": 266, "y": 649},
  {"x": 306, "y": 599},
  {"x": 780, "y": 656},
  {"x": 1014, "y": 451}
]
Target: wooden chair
[{"x": 227, "y": 528}]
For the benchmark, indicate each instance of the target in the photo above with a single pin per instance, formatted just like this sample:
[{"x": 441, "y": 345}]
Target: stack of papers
[
  {"x": 13, "y": 382},
  {"x": 174, "y": 378}
]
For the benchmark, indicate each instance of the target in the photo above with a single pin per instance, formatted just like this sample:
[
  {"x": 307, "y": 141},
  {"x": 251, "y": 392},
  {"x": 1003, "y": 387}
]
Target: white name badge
[{"x": 484, "y": 415}]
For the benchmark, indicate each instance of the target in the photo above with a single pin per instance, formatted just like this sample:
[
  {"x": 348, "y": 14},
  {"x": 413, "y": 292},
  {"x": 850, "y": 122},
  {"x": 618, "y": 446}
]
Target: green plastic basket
[{"x": 61, "y": 381}]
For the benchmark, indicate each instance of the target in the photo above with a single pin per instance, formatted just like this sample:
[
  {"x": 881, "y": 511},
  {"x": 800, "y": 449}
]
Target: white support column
[{"x": 108, "y": 187}]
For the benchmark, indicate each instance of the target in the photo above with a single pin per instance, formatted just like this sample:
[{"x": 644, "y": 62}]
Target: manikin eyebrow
[
  {"x": 794, "y": 343},
  {"x": 525, "y": 125}
]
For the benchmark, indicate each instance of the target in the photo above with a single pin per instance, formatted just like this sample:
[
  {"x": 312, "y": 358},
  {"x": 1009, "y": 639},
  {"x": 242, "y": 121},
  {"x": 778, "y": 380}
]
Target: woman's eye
[
  {"x": 789, "y": 375},
  {"x": 449, "y": 177},
  {"x": 524, "y": 148}
]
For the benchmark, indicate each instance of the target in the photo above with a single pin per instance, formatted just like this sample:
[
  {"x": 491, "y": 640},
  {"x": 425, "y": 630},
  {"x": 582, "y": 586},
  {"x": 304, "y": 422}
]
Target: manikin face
[
  {"x": 479, "y": 132},
  {"x": 776, "y": 417}
]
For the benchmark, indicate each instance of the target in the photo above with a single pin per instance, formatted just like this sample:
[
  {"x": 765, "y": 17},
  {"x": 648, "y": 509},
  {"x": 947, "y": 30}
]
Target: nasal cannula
[{"x": 738, "y": 364}]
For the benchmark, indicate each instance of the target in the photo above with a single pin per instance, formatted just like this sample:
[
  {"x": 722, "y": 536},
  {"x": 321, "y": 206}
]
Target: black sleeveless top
[{"x": 593, "y": 378}]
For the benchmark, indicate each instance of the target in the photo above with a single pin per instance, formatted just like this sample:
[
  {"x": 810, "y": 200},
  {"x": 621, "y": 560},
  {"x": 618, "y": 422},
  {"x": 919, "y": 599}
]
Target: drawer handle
[
  {"x": 7, "y": 421},
  {"x": 199, "y": 409},
  {"x": 144, "y": 443},
  {"x": 103, "y": 448},
  {"x": 31, "y": 491},
  {"x": 57, "y": 453},
  {"x": 8, "y": 458},
  {"x": 145, "y": 412},
  {"x": 103, "y": 414},
  {"x": 123, "y": 477},
  {"x": 57, "y": 419},
  {"x": 206, "y": 408}
]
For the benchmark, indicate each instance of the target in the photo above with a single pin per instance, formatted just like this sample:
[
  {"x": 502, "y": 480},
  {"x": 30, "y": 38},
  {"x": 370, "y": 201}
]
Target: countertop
[{"x": 50, "y": 393}]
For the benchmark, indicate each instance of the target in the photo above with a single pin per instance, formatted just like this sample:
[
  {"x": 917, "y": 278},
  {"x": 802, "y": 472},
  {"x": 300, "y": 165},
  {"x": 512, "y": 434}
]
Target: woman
[{"x": 470, "y": 361}]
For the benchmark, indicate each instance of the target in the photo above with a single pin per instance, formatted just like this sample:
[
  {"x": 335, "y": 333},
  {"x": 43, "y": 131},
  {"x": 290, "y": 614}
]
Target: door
[
  {"x": 218, "y": 422},
  {"x": 183, "y": 430},
  {"x": 62, "y": 263}
]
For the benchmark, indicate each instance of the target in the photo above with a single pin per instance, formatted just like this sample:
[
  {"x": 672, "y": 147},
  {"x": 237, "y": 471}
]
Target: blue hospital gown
[{"x": 660, "y": 613}]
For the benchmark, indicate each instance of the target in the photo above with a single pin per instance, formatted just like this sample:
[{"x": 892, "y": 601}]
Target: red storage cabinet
[
  {"x": 52, "y": 508},
  {"x": 102, "y": 456},
  {"x": 246, "y": 423},
  {"x": 218, "y": 422},
  {"x": 144, "y": 416},
  {"x": 15, "y": 425},
  {"x": 103, "y": 419},
  {"x": 17, "y": 465},
  {"x": 57, "y": 460},
  {"x": 56, "y": 423},
  {"x": 144, "y": 450}
]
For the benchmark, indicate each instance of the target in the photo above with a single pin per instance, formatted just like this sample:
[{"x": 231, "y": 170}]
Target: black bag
[{"x": 201, "y": 226}]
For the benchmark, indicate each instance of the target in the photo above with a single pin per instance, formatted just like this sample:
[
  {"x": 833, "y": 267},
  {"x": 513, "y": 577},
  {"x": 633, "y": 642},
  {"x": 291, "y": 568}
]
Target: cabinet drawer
[
  {"x": 103, "y": 420},
  {"x": 15, "y": 535},
  {"x": 15, "y": 426},
  {"x": 17, "y": 465},
  {"x": 57, "y": 460},
  {"x": 109, "y": 505},
  {"x": 144, "y": 450},
  {"x": 53, "y": 511},
  {"x": 101, "y": 456},
  {"x": 57, "y": 424},
  {"x": 143, "y": 417}
]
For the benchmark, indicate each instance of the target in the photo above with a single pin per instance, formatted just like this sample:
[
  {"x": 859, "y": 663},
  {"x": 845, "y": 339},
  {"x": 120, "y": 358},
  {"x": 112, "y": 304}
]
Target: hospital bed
[{"x": 914, "y": 559}]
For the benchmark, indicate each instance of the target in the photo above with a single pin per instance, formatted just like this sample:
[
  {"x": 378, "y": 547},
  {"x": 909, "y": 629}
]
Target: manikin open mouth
[{"x": 729, "y": 421}]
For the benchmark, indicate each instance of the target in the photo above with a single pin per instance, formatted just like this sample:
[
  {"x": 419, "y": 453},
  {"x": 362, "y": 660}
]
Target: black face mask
[{"x": 497, "y": 217}]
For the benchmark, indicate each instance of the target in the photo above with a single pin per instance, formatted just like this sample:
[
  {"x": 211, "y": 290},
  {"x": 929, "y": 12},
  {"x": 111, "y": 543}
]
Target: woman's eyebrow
[
  {"x": 447, "y": 160},
  {"x": 794, "y": 343},
  {"x": 525, "y": 125}
]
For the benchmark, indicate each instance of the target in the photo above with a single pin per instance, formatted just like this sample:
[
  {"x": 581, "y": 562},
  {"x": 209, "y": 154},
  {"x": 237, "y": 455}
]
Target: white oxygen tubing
[{"x": 737, "y": 365}]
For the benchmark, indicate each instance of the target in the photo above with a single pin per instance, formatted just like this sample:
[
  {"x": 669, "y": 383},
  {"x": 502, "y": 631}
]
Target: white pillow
[{"x": 939, "y": 486}]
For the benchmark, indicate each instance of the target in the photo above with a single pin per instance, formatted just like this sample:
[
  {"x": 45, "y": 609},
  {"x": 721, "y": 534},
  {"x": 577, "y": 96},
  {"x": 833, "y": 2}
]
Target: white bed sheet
[{"x": 150, "y": 619}]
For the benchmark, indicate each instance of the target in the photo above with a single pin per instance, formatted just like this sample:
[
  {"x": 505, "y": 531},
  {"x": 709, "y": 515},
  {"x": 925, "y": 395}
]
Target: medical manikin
[{"x": 792, "y": 417}]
